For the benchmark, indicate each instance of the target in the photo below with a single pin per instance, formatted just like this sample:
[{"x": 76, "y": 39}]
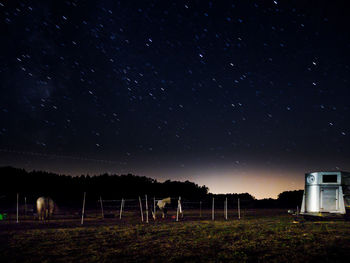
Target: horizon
[
  {"x": 276, "y": 192},
  {"x": 219, "y": 179},
  {"x": 160, "y": 180}
]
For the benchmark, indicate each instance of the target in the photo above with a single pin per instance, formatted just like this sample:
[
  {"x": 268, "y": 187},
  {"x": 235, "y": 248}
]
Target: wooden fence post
[
  {"x": 178, "y": 209},
  {"x": 83, "y": 209},
  {"x": 121, "y": 208},
  {"x": 239, "y": 210},
  {"x": 146, "y": 209},
  {"x": 25, "y": 207},
  {"x": 154, "y": 208},
  {"x": 141, "y": 209},
  {"x": 212, "y": 211},
  {"x": 102, "y": 212},
  {"x": 17, "y": 208}
]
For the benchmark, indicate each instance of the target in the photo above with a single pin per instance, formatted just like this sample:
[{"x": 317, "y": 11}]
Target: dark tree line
[
  {"x": 68, "y": 190},
  {"x": 287, "y": 199}
]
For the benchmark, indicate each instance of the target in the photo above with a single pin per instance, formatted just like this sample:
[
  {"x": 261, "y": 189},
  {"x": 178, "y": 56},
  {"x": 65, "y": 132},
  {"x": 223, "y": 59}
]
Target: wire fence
[{"x": 143, "y": 209}]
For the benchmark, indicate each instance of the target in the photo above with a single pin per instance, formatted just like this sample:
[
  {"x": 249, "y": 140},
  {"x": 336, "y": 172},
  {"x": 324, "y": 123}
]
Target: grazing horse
[
  {"x": 45, "y": 207},
  {"x": 162, "y": 206}
]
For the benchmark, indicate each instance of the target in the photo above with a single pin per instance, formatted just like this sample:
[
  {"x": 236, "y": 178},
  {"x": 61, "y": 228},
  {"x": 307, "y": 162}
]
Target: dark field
[{"x": 260, "y": 236}]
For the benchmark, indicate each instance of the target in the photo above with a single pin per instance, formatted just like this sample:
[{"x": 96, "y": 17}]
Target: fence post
[
  {"x": 25, "y": 207},
  {"x": 146, "y": 209},
  {"x": 154, "y": 208},
  {"x": 121, "y": 208},
  {"x": 239, "y": 210},
  {"x": 200, "y": 208},
  {"x": 83, "y": 209},
  {"x": 181, "y": 210},
  {"x": 141, "y": 209},
  {"x": 178, "y": 210},
  {"x": 212, "y": 211},
  {"x": 103, "y": 214},
  {"x": 17, "y": 208},
  {"x": 226, "y": 209}
]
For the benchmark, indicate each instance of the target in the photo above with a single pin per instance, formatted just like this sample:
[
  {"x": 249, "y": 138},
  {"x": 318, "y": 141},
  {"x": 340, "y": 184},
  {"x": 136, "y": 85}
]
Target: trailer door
[{"x": 329, "y": 199}]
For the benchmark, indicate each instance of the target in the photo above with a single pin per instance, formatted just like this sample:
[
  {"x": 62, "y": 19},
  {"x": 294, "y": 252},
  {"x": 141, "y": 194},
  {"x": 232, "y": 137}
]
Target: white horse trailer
[{"x": 326, "y": 194}]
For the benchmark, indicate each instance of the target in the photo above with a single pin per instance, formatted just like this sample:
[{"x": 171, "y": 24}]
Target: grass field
[{"x": 266, "y": 237}]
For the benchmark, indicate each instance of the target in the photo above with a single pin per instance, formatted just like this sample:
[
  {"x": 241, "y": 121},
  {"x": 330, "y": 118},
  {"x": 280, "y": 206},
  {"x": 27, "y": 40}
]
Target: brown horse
[{"x": 45, "y": 207}]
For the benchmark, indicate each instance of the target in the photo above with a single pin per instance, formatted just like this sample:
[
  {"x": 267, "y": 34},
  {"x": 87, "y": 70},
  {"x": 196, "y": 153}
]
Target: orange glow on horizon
[{"x": 260, "y": 184}]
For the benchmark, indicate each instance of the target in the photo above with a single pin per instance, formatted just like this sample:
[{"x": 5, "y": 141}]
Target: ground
[{"x": 266, "y": 237}]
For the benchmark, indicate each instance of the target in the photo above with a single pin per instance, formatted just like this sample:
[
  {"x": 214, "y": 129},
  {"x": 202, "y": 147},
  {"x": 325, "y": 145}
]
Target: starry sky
[{"x": 242, "y": 96}]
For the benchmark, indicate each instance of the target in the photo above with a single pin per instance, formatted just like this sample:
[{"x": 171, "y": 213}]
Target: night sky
[{"x": 242, "y": 96}]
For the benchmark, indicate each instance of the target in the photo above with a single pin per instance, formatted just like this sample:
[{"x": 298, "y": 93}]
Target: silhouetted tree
[{"x": 290, "y": 199}]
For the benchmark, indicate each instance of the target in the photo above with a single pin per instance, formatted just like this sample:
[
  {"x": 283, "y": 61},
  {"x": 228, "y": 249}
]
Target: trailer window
[{"x": 330, "y": 178}]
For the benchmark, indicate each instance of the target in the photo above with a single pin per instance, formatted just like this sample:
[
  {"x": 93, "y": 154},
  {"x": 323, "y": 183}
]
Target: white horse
[
  {"x": 45, "y": 207},
  {"x": 162, "y": 205}
]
